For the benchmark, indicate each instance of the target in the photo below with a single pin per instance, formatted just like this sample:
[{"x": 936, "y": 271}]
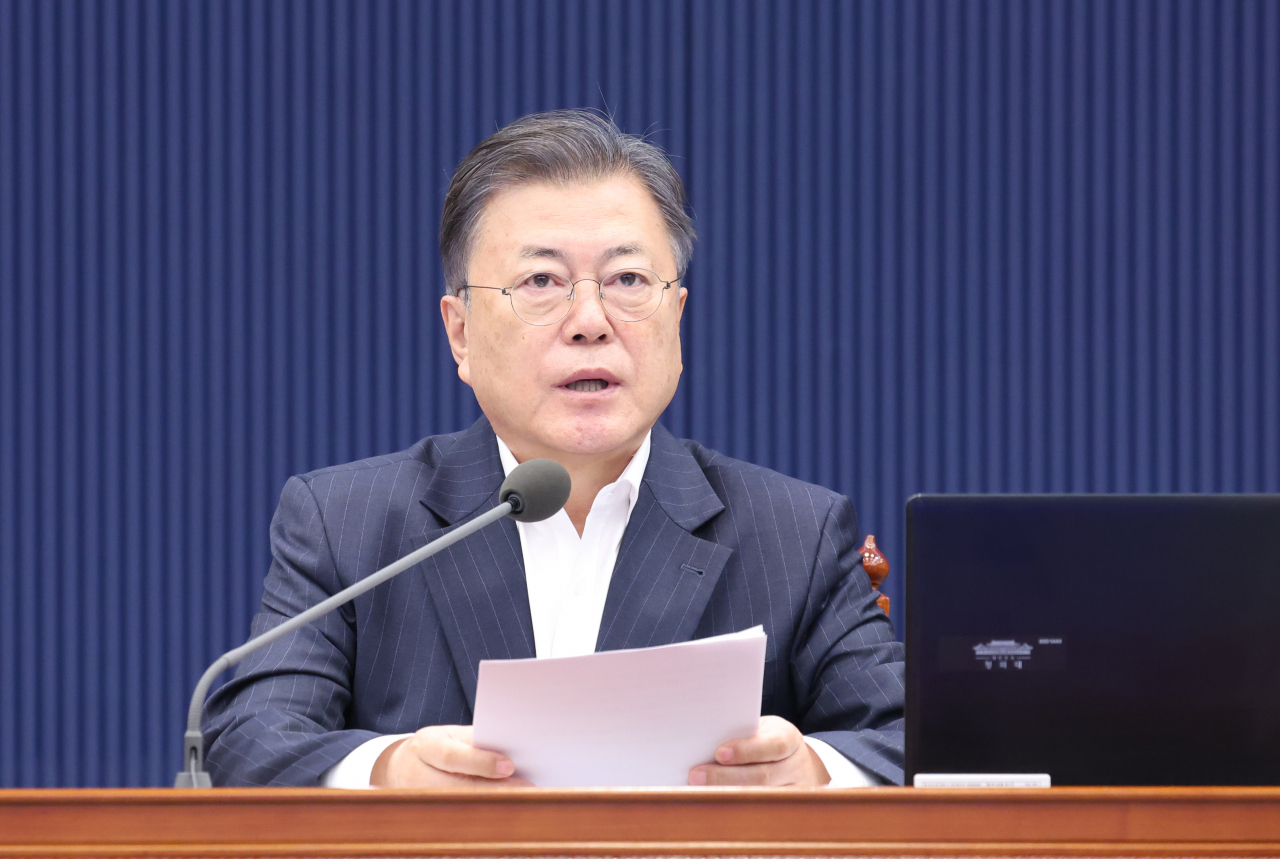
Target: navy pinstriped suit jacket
[{"x": 713, "y": 545}]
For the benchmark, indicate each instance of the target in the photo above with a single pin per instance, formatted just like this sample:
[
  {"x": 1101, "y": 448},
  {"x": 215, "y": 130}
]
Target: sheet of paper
[{"x": 622, "y": 717}]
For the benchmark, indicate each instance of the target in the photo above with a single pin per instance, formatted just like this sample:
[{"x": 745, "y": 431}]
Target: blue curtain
[{"x": 949, "y": 246}]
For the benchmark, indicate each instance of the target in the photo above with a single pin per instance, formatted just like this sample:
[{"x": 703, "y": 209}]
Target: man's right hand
[{"x": 442, "y": 756}]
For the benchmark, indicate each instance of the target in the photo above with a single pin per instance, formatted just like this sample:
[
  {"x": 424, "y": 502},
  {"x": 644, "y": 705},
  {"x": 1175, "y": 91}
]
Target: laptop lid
[{"x": 1102, "y": 639}]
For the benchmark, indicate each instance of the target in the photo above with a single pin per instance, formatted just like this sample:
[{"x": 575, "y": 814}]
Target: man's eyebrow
[
  {"x": 535, "y": 252},
  {"x": 539, "y": 252},
  {"x": 636, "y": 249}
]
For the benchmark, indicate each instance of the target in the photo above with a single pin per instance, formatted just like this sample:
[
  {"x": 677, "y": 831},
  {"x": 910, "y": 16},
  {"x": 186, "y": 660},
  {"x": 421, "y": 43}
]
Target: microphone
[{"x": 535, "y": 490}]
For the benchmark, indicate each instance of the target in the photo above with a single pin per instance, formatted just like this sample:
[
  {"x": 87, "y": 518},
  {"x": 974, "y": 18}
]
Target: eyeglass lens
[{"x": 630, "y": 295}]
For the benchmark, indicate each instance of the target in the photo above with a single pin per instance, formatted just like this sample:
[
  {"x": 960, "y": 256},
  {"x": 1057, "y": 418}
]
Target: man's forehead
[{"x": 611, "y": 222}]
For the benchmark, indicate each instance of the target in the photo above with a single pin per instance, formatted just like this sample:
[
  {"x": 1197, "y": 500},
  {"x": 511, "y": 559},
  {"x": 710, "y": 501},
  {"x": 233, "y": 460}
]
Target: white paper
[{"x": 632, "y": 718}]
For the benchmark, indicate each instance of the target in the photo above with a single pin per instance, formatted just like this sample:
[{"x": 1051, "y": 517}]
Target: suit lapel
[
  {"x": 477, "y": 584},
  {"x": 664, "y": 575},
  {"x": 661, "y": 582}
]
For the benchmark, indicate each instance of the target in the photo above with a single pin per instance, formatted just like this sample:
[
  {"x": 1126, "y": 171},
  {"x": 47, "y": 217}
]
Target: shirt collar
[{"x": 630, "y": 477}]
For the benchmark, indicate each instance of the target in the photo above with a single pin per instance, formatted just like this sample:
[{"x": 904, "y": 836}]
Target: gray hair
[{"x": 559, "y": 146}]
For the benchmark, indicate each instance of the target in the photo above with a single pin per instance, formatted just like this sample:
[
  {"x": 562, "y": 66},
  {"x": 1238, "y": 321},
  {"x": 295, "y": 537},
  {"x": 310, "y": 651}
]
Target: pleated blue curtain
[{"x": 949, "y": 246}]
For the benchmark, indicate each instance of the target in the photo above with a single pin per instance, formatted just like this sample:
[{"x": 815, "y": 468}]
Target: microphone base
[
  {"x": 193, "y": 753},
  {"x": 187, "y": 778}
]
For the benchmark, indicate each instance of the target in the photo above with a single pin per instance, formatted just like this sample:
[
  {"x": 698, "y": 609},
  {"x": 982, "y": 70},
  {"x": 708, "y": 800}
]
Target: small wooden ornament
[{"x": 877, "y": 567}]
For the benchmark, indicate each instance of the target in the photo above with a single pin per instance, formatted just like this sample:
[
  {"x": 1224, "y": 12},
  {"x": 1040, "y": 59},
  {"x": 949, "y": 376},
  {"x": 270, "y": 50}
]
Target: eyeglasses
[{"x": 544, "y": 298}]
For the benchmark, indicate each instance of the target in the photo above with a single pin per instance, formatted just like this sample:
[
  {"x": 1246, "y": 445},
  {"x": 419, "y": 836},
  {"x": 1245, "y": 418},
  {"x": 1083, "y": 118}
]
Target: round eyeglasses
[{"x": 544, "y": 297}]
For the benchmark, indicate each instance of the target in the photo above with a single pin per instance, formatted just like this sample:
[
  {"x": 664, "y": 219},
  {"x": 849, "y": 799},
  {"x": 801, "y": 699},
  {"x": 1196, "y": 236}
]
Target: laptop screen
[{"x": 1102, "y": 639}]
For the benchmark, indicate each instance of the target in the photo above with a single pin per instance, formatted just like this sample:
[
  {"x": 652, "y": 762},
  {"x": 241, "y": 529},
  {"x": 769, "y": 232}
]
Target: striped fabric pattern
[
  {"x": 945, "y": 246},
  {"x": 714, "y": 545}
]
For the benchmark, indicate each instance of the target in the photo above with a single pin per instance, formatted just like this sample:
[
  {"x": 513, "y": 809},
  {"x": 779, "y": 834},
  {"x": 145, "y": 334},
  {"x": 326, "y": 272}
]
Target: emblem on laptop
[
  {"x": 1002, "y": 653},
  {"x": 1014, "y": 652}
]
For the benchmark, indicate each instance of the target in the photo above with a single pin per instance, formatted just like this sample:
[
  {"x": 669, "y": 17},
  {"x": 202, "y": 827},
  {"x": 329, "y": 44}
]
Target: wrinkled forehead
[
  {"x": 613, "y": 221},
  {"x": 624, "y": 254}
]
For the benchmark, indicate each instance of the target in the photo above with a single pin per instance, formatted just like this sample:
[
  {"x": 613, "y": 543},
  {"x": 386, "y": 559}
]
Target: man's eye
[
  {"x": 541, "y": 281},
  {"x": 628, "y": 279}
]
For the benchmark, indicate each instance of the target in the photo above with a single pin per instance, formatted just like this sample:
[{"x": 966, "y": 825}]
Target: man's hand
[
  {"x": 442, "y": 756},
  {"x": 777, "y": 755}
]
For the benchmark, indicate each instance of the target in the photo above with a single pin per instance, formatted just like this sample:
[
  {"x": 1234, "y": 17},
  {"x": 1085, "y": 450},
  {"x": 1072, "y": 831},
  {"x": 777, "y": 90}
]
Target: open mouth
[{"x": 588, "y": 386}]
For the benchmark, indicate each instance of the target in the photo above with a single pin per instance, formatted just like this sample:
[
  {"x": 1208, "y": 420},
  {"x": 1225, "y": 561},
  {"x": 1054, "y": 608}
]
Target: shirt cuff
[
  {"x": 843, "y": 772},
  {"x": 353, "y": 771}
]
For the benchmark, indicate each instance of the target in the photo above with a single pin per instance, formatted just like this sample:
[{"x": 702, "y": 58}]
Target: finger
[
  {"x": 424, "y": 775},
  {"x": 774, "y": 740},
  {"x": 451, "y": 752},
  {"x": 804, "y": 768},
  {"x": 714, "y": 775},
  {"x": 445, "y": 779}
]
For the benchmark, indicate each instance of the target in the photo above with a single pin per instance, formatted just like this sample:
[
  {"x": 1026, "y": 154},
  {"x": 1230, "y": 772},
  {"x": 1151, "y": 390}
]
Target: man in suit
[{"x": 564, "y": 243}]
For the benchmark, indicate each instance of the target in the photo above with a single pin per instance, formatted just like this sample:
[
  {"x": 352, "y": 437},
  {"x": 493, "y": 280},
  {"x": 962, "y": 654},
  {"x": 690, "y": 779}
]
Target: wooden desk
[{"x": 513, "y": 822}]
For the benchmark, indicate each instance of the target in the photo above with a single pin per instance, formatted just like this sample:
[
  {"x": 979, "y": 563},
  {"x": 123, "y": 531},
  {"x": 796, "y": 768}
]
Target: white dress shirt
[{"x": 568, "y": 580}]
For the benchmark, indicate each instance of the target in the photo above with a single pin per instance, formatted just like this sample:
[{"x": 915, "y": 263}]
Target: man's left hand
[{"x": 776, "y": 755}]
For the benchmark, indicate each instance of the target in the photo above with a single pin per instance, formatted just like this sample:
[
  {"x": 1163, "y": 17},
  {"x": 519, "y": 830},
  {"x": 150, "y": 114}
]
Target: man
[{"x": 564, "y": 244}]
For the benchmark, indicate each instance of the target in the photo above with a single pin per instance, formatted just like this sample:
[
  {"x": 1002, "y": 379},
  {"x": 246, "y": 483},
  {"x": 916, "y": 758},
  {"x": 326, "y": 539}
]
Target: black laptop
[{"x": 1102, "y": 639}]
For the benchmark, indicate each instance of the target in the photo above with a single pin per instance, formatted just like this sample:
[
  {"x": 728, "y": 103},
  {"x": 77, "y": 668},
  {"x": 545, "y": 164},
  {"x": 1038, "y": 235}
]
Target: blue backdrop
[{"x": 978, "y": 246}]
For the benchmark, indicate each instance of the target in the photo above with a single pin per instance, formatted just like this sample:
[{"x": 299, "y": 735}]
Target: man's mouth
[{"x": 588, "y": 386}]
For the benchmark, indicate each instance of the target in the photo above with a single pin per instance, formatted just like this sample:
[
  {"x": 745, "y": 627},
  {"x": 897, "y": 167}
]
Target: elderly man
[{"x": 564, "y": 244}]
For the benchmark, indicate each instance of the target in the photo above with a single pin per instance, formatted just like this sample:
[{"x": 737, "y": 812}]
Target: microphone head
[{"x": 536, "y": 489}]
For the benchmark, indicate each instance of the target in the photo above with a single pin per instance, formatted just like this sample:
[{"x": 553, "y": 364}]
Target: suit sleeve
[
  {"x": 847, "y": 665},
  {"x": 280, "y": 720}
]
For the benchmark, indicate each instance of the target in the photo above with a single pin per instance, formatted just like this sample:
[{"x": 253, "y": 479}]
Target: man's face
[{"x": 520, "y": 372}]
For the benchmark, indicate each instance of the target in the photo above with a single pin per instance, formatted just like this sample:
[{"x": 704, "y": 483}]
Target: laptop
[{"x": 1102, "y": 639}]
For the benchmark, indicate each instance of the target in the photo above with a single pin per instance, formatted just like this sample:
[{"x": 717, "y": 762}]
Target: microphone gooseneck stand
[{"x": 535, "y": 490}]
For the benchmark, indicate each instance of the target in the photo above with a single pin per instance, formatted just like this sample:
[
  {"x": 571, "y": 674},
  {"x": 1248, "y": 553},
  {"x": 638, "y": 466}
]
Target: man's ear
[{"x": 453, "y": 309}]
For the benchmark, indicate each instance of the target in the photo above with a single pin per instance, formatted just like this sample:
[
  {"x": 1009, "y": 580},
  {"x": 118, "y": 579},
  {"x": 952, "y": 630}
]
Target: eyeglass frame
[{"x": 573, "y": 294}]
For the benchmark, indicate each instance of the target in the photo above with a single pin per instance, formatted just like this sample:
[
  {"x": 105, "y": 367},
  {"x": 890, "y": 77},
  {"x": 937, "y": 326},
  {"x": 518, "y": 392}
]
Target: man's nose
[{"x": 587, "y": 321}]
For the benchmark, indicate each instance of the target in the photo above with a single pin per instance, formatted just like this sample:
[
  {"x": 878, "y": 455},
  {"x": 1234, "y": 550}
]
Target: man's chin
[
  {"x": 593, "y": 438},
  {"x": 596, "y": 445}
]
